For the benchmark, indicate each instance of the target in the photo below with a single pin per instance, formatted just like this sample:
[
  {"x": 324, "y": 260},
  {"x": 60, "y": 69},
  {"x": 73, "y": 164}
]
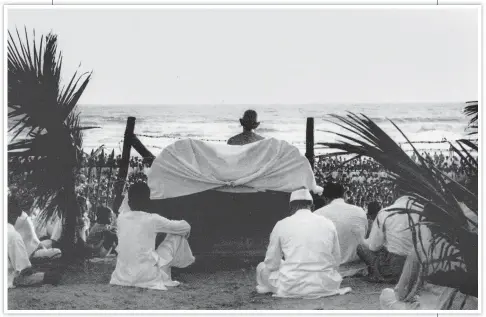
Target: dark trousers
[{"x": 383, "y": 266}]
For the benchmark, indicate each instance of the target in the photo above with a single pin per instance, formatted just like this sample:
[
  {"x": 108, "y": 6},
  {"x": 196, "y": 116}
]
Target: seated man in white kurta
[
  {"x": 310, "y": 249},
  {"x": 20, "y": 271},
  {"x": 36, "y": 249},
  {"x": 139, "y": 264},
  {"x": 350, "y": 221}
]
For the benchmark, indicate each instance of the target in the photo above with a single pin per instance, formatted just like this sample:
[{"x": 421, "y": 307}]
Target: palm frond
[
  {"x": 47, "y": 135},
  {"x": 424, "y": 182}
]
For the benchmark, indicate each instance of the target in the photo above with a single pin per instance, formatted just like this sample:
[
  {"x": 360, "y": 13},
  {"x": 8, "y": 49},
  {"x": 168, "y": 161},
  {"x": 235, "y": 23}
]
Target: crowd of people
[
  {"x": 365, "y": 181},
  {"x": 305, "y": 250}
]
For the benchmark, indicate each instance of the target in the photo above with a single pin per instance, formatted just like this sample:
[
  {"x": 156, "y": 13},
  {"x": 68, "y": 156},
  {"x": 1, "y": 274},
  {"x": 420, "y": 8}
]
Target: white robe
[
  {"x": 350, "y": 222},
  {"x": 138, "y": 263},
  {"x": 310, "y": 248},
  {"x": 25, "y": 227},
  {"x": 18, "y": 259},
  {"x": 52, "y": 229}
]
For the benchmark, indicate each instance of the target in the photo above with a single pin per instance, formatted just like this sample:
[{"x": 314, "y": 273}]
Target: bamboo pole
[
  {"x": 309, "y": 142},
  {"x": 125, "y": 161}
]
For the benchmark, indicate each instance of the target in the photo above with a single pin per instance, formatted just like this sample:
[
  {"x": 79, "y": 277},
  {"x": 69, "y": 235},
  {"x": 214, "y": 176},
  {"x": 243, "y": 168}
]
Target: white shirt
[
  {"x": 25, "y": 227},
  {"x": 351, "y": 225},
  {"x": 391, "y": 229},
  {"x": 138, "y": 264},
  {"x": 310, "y": 248},
  {"x": 18, "y": 259},
  {"x": 51, "y": 229}
]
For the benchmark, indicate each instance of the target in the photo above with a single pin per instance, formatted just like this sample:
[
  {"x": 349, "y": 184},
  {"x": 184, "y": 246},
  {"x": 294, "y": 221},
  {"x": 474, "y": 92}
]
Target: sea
[{"x": 160, "y": 125}]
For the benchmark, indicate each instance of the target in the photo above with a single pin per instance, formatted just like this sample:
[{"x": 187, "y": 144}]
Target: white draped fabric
[
  {"x": 191, "y": 166},
  {"x": 18, "y": 259},
  {"x": 25, "y": 227}
]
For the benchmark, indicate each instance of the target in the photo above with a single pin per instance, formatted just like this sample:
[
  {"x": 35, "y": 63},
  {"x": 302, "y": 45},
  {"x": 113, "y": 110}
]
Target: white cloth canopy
[{"x": 191, "y": 166}]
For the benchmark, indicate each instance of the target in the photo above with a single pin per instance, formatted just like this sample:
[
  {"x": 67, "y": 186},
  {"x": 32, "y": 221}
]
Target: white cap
[{"x": 301, "y": 194}]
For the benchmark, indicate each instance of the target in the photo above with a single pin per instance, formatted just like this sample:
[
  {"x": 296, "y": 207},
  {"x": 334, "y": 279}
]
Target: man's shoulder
[
  {"x": 13, "y": 235},
  {"x": 327, "y": 223},
  {"x": 355, "y": 208},
  {"x": 323, "y": 210},
  {"x": 235, "y": 138}
]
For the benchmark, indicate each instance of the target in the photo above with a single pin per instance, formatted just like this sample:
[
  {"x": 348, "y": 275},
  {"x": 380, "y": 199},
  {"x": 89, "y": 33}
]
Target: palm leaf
[
  {"x": 423, "y": 181},
  {"x": 47, "y": 136}
]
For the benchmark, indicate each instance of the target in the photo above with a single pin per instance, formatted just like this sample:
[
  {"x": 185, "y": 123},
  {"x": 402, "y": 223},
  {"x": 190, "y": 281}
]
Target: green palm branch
[
  {"x": 427, "y": 186},
  {"x": 44, "y": 123}
]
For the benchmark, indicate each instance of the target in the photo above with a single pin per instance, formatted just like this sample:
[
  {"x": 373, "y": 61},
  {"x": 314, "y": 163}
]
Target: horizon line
[{"x": 275, "y": 104}]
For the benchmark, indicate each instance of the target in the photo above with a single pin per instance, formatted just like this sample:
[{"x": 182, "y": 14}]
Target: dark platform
[{"x": 227, "y": 223}]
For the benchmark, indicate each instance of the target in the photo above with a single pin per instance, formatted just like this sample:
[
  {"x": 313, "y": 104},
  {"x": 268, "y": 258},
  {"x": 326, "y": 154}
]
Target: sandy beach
[{"x": 234, "y": 289}]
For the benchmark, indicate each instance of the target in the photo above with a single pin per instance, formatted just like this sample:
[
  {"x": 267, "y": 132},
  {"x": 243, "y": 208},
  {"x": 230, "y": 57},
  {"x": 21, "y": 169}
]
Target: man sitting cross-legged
[
  {"x": 36, "y": 249},
  {"x": 350, "y": 221},
  {"x": 310, "y": 249},
  {"x": 102, "y": 236},
  {"x": 20, "y": 271},
  {"x": 139, "y": 263},
  {"x": 390, "y": 242}
]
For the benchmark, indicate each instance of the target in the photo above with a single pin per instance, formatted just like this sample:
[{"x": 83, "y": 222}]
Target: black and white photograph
[{"x": 242, "y": 157}]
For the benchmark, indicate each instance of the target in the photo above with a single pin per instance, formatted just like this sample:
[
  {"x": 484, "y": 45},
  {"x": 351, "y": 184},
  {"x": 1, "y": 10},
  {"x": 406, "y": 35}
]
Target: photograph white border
[{"x": 57, "y": 6}]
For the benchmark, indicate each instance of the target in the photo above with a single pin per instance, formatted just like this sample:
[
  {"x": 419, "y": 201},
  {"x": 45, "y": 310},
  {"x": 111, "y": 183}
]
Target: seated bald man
[
  {"x": 303, "y": 254},
  {"x": 249, "y": 122}
]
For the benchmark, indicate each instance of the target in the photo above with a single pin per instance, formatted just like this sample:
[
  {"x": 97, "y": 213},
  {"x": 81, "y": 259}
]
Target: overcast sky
[{"x": 257, "y": 56}]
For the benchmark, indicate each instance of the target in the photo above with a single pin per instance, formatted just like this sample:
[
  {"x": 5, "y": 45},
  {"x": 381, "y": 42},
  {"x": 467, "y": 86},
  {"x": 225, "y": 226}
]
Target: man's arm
[
  {"x": 17, "y": 253},
  {"x": 377, "y": 236},
  {"x": 178, "y": 227},
  {"x": 361, "y": 226},
  {"x": 274, "y": 254},
  {"x": 336, "y": 249}
]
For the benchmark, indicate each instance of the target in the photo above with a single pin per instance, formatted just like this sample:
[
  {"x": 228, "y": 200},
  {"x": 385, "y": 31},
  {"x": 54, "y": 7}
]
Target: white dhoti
[
  {"x": 174, "y": 251},
  {"x": 40, "y": 254},
  {"x": 266, "y": 279}
]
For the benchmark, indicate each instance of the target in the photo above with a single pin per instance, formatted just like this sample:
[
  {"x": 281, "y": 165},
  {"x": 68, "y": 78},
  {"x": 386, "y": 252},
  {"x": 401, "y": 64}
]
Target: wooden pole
[
  {"x": 125, "y": 161},
  {"x": 142, "y": 150},
  {"x": 309, "y": 142}
]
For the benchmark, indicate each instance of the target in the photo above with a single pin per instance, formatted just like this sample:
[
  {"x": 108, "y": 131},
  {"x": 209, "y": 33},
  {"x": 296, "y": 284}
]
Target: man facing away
[
  {"x": 310, "y": 249},
  {"x": 20, "y": 271},
  {"x": 35, "y": 248},
  {"x": 102, "y": 236},
  {"x": 350, "y": 221},
  {"x": 139, "y": 264},
  {"x": 249, "y": 122},
  {"x": 390, "y": 241}
]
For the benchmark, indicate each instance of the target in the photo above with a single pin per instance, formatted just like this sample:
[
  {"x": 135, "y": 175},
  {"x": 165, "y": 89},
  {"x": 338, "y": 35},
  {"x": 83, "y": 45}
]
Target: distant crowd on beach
[{"x": 365, "y": 181}]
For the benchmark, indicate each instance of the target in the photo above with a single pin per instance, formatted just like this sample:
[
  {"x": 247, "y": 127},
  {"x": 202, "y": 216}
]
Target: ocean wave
[
  {"x": 412, "y": 119},
  {"x": 268, "y": 130}
]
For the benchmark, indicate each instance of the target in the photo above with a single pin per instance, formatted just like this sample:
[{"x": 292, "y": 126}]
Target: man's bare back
[
  {"x": 245, "y": 138},
  {"x": 249, "y": 122}
]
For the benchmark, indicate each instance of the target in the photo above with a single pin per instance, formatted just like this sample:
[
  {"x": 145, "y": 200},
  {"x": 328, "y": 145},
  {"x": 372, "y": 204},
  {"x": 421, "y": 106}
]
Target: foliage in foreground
[
  {"x": 454, "y": 236},
  {"x": 47, "y": 136}
]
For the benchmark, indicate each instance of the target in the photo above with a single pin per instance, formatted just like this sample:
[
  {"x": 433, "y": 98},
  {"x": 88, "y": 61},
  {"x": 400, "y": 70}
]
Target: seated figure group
[{"x": 302, "y": 260}]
